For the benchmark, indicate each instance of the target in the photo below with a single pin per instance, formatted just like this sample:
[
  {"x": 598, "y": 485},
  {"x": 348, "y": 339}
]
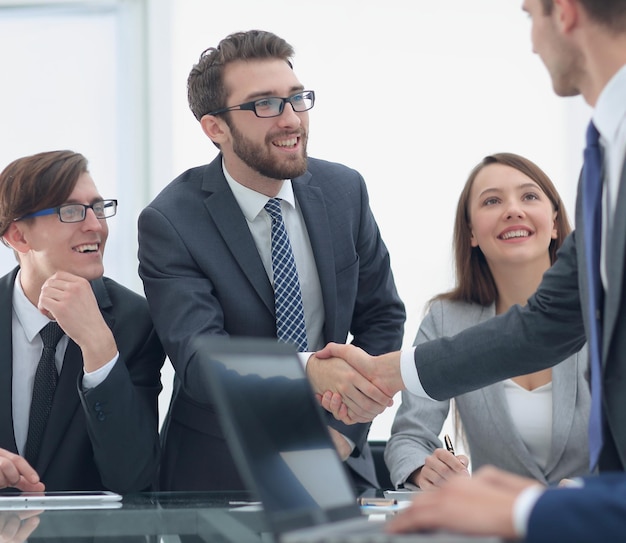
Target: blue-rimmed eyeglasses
[
  {"x": 103, "y": 209},
  {"x": 273, "y": 106}
]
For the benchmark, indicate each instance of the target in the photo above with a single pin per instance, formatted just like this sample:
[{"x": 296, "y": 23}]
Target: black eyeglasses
[
  {"x": 273, "y": 106},
  {"x": 77, "y": 212}
]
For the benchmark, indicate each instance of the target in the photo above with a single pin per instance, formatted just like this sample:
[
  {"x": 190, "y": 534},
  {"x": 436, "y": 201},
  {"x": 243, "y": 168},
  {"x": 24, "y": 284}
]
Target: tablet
[{"x": 60, "y": 500}]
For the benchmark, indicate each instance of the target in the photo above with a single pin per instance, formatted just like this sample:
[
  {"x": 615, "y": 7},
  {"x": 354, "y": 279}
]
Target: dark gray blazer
[
  {"x": 202, "y": 274},
  {"x": 106, "y": 437},
  {"x": 548, "y": 329},
  {"x": 491, "y": 434}
]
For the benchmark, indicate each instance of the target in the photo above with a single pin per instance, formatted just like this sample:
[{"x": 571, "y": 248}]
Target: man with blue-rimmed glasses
[{"x": 80, "y": 361}]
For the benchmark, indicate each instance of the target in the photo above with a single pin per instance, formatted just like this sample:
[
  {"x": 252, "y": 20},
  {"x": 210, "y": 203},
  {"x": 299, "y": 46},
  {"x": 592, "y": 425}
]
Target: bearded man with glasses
[
  {"x": 265, "y": 242},
  {"x": 80, "y": 361}
]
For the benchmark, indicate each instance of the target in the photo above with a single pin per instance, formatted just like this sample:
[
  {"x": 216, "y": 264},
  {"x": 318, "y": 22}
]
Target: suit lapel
[
  {"x": 317, "y": 223},
  {"x": 231, "y": 223},
  {"x": 615, "y": 255},
  {"x": 564, "y": 394},
  {"x": 7, "y": 435}
]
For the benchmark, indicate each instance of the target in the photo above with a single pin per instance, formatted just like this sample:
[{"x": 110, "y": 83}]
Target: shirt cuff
[
  {"x": 523, "y": 506},
  {"x": 350, "y": 442},
  {"x": 94, "y": 378},
  {"x": 409, "y": 375},
  {"x": 304, "y": 358}
]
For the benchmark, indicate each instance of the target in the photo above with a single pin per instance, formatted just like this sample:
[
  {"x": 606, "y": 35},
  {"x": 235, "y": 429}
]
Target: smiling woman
[{"x": 510, "y": 221}]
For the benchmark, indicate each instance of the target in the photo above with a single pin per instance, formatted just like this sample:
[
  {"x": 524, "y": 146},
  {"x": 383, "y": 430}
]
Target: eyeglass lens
[
  {"x": 78, "y": 212},
  {"x": 273, "y": 106}
]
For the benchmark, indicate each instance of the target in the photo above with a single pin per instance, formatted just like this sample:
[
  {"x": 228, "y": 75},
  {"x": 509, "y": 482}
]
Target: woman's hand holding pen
[{"x": 440, "y": 466}]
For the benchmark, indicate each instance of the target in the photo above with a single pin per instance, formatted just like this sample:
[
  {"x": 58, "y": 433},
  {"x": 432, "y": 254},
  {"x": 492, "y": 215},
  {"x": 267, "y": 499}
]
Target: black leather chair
[{"x": 382, "y": 473}]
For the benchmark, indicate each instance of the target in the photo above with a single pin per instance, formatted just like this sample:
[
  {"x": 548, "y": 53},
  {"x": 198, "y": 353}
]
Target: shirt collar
[
  {"x": 610, "y": 108},
  {"x": 30, "y": 318},
  {"x": 252, "y": 202}
]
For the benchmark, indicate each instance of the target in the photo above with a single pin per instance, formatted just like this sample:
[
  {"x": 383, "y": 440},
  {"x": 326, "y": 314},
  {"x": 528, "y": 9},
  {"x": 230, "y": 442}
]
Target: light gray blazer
[{"x": 491, "y": 435}]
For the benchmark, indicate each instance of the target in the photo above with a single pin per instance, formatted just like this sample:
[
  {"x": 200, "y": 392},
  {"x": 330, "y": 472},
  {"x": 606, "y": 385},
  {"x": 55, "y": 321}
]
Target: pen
[
  {"x": 448, "y": 443},
  {"x": 377, "y": 501}
]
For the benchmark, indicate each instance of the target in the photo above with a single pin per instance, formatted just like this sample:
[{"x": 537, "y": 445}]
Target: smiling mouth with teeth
[
  {"x": 515, "y": 234},
  {"x": 292, "y": 142},
  {"x": 88, "y": 248}
]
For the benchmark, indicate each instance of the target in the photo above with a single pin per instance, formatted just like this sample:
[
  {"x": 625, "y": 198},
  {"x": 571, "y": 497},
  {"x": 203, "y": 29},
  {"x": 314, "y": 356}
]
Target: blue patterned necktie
[
  {"x": 46, "y": 378},
  {"x": 290, "y": 327},
  {"x": 592, "y": 215}
]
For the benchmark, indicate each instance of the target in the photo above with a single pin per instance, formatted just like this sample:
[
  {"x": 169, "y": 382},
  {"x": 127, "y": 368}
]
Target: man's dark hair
[
  {"x": 38, "y": 182},
  {"x": 205, "y": 85},
  {"x": 610, "y": 13}
]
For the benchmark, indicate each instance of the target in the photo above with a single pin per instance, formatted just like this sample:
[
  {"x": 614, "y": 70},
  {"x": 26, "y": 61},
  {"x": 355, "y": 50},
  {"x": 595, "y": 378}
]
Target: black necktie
[
  {"x": 592, "y": 231},
  {"x": 45, "y": 383}
]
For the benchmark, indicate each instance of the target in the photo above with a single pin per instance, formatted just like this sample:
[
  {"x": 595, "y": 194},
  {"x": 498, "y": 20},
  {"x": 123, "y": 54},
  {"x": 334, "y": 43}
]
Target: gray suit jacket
[
  {"x": 490, "y": 431},
  {"x": 202, "y": 274},
  {"x": 548, "y": 329}
]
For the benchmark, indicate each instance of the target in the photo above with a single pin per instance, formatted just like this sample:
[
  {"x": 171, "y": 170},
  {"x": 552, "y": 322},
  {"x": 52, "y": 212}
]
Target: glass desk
[
  {"x": 147, "y": 518},
  {"x": 166, "y": 517}
]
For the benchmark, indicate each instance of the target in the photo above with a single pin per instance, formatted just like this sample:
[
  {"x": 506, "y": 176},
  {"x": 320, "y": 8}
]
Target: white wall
[
  {"x": 412, "y": 94},
  {"x": 73, "y": 78}
]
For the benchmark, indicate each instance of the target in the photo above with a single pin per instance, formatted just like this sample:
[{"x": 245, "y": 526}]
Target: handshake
[{"x": 352, "y": 385}]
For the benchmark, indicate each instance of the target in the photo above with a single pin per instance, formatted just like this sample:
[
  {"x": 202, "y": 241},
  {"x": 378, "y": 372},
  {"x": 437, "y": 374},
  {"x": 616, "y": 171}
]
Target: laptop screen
[{"x": 276, "y": 432}]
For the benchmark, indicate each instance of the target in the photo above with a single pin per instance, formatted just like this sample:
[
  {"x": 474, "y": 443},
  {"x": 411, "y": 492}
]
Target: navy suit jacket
[
  {"x": 595, "y": 512},
  {"x": 105, "y": 438},
  {"x": 202, "y": 274}
]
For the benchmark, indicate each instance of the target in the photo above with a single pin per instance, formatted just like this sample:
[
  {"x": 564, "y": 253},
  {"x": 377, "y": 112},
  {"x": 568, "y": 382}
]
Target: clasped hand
[{"x": 354, "y": 386}]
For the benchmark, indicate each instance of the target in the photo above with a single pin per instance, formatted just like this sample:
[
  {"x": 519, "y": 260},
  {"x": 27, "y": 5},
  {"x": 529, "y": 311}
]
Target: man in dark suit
[
  {"x": 206, "y": 260},
  {"x": 583, "y": 45},
  {"x": 101, "y": 429}
]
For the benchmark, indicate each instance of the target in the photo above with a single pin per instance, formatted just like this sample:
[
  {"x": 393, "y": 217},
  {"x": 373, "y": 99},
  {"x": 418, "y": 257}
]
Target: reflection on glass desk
[
  {"x": 151, "y": 517},
  {"x": 167, "y": 517}
]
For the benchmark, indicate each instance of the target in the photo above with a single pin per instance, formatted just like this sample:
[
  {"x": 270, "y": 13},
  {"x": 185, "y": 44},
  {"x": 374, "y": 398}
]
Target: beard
[{"x": 259, "y": 157}]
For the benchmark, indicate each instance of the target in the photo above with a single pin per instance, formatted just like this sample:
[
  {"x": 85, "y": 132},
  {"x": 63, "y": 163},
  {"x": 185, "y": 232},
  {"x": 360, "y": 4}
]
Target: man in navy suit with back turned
[
  {"x": 206, "y": 252},
  {"x": 583, "y": 45},
  {"x": 98, "y": 428}
]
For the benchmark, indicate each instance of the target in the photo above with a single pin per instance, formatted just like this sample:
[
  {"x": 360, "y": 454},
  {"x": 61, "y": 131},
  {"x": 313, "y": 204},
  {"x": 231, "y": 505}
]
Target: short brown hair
[
  {"x": 609, "y": 13},
  {"x": 38, "y": 182},
  {"x": 205, "y": 85}
]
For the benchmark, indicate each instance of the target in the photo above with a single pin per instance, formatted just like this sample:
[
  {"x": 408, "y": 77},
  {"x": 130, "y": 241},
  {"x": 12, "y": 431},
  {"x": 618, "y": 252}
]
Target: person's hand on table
[
  {"x": 16, "y": 472},
  {"x": 481, "y": 505},
  {"x": 438, "y": 468}
]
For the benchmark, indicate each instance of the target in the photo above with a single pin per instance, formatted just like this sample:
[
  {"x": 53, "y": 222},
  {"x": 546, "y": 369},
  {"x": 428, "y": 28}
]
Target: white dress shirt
[
  {"x": 252, "y": 205},
  {"x": 531, "y": 411},
  {"x": 26, "y": 323},
  {"x": 609, "y": 117}
]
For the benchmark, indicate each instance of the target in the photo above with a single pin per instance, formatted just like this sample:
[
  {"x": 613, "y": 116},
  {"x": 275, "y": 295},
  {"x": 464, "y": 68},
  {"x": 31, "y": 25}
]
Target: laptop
[{"x": 281, "y": 445}]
